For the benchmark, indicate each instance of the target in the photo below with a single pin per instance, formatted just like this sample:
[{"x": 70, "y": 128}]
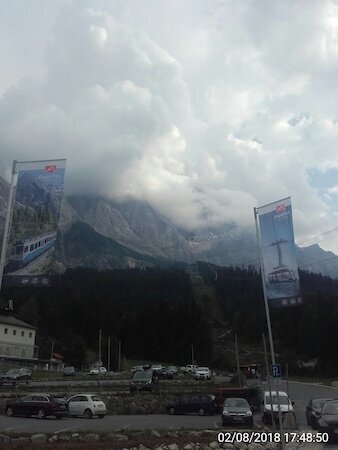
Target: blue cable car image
[{"x": 26, "y": 250}]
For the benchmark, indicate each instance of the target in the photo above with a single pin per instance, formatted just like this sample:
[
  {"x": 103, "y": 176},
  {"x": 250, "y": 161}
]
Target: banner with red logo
[
  {"x": 278, "y": 252},
  {"x": 34, "y": 222}
]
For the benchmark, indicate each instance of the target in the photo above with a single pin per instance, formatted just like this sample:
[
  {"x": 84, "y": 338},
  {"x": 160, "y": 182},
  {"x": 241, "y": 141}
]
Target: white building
[{"x": 17, "y": 340}]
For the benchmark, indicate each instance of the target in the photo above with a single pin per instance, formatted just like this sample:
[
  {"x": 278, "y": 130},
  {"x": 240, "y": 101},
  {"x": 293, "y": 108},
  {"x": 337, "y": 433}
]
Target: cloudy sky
[{"x": 205, "y": 109}]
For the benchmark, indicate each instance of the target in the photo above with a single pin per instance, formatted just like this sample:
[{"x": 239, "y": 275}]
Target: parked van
[{"x": 284, "y": 402}]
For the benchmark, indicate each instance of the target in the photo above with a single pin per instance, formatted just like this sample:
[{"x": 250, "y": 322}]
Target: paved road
[
  {"x": 108, "y": 423},
  {"x": 301, "y": 393}
]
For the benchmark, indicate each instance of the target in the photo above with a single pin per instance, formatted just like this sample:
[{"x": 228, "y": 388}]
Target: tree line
[
  {"x": 154, "y": 314},
  {"x": 304, "y": 332}
]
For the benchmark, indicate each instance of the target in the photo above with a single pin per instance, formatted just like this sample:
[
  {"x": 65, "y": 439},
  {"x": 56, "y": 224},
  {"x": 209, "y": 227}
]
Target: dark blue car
[{"x": 201, "y": 404}]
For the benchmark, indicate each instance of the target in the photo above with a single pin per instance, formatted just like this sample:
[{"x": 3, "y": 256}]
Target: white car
[
  {"x": 190, "y": 368},
  {"x": 87, "y": 405},
  {"x": 157, "y": 367},
  {"x": 202, "y": 373},
  {"x": 95, "y": 371}
]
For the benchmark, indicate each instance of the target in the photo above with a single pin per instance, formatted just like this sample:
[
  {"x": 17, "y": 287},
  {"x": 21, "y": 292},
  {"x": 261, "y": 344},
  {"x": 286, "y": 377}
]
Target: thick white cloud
[{"x": 204, "y": 109}]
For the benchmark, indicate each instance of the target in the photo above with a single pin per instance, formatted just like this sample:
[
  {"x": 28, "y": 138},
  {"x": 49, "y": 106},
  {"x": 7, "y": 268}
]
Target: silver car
[{"x": 87, "y": 405}]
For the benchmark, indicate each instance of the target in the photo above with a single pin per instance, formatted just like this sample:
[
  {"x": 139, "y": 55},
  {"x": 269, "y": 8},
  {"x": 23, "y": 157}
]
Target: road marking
[
  {"x": 314, "y": 384},
  {"x": 65, "y": 429},
  {"x": 12, "y": 428}
]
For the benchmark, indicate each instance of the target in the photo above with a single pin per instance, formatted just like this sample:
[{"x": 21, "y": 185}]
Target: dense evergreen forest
[
  {"x": 300, "y": 333},
  {"x": 154, "y": 314}
]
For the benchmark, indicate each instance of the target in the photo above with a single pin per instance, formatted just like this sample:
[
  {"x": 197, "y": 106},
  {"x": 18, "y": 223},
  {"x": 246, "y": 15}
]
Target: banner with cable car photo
[
  {"x": 278, "y": 254},
  {"x": 38, "y": 189}
]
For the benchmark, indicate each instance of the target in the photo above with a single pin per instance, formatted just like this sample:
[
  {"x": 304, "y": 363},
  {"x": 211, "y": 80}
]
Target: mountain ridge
[{"x": 149, "y": 238}]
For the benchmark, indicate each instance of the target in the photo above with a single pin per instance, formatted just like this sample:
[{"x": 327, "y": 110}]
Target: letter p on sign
[{"x": 276, "y": 370}]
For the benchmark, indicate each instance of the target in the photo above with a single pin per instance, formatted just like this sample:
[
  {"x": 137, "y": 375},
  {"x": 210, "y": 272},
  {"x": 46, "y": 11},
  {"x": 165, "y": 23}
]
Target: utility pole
[
  {"x": 237, "y": 362},
  {"x": 119, "y": 356},
  {"x": 108, "y": 358},
  {"x": 192, "y": 355},
  {"x": 100, "y": 363},
  {"x": 51, "y": 355}
]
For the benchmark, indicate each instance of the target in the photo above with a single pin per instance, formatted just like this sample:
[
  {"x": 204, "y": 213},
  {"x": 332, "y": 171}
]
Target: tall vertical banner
[
  {"x": 278, "y": 254},
  {"x": 34, "y": 222}
]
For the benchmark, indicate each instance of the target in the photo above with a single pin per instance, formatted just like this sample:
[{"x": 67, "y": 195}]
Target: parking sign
[{"x": 276, "y": 370}]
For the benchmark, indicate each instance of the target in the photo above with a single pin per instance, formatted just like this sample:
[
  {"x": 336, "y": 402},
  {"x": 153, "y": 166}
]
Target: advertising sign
[
  {"x": 278, "y": 252},
  {"x": 34, "y": 222}
]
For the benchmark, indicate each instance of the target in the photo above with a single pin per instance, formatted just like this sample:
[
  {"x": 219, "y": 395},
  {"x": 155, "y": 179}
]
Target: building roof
[{"x": 10, "y": 320}]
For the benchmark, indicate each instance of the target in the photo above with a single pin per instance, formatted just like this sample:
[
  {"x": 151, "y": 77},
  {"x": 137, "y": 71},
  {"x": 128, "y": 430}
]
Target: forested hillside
[
  {"x": 152, "y": 312},
  {"x": 300, "y": 333},
  {"x": 155, "y": 316}
]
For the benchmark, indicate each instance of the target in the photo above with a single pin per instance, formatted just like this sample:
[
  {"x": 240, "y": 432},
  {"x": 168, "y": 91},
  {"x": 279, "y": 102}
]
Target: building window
[
  {"x": 14, "y": 332},
  {"x": 30, "y": 334},
  {"x": 6, "y": 330},
  {"x": 22, "y": 333}
]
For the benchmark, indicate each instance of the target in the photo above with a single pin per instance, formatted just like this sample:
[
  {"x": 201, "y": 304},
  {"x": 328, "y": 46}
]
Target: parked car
[
  {"x": 143, "y": 381},
  {"x": 328, "y": 419},
  {"x": 16, "y": 376},
  {"x": 237, "y": 411},
  {"x": 86, "y": 405},
  {"x": 157, "y": 368},
  {"x": 252, "y": 394},
  {"x": 190, "y": 368},
  {"x": 96, "y": 370},
  {"x": 284, "y": 403},
  {"x": 172, "y": 369},
  {"x": 201, "y": 404},
  {"x": 202, "y": 373},
  {"x": 136, "y": 369},
  {"x": 69, "y": 371},
  {"x": 313, "y": 411},
  {"x": 164, "y": 374},
  {"x": 40, "y": 405}
]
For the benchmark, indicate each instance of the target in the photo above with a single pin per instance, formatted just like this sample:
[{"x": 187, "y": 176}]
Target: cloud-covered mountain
[
  {"x": 170, "y": 106},
  {"x": 97, "y": 232}
]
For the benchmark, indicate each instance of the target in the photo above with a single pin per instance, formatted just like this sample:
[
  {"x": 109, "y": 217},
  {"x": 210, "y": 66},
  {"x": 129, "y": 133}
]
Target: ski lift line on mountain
[
  {"x": 317, "y": 236},
  {"x": 318, "y": 262},
  {"x": 247, "y": 263}
]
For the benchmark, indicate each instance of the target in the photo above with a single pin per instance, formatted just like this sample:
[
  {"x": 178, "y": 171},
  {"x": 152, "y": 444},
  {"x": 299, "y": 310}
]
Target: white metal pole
[
  {"x": 8, "y": 222},
  {"x": 100, "y": 364},
  {"x": 120, "y": 356},
  {"x": 237, "y": 362},
  {"x": 267, "y": 311},
  {"x": 269, "y": 383},
  {"x": 108, "y": 354}
]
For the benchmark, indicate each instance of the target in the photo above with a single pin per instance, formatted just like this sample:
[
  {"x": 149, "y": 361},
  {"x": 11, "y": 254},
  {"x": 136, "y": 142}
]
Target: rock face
[{"x": 133, "y": 224}]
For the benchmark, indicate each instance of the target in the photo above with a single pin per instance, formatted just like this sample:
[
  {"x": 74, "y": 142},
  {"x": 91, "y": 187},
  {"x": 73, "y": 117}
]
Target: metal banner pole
[
  {"x": 8, "y": 222},
  {"x": 267, "y": 311},
  {"x": 269, "y": 383}
]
